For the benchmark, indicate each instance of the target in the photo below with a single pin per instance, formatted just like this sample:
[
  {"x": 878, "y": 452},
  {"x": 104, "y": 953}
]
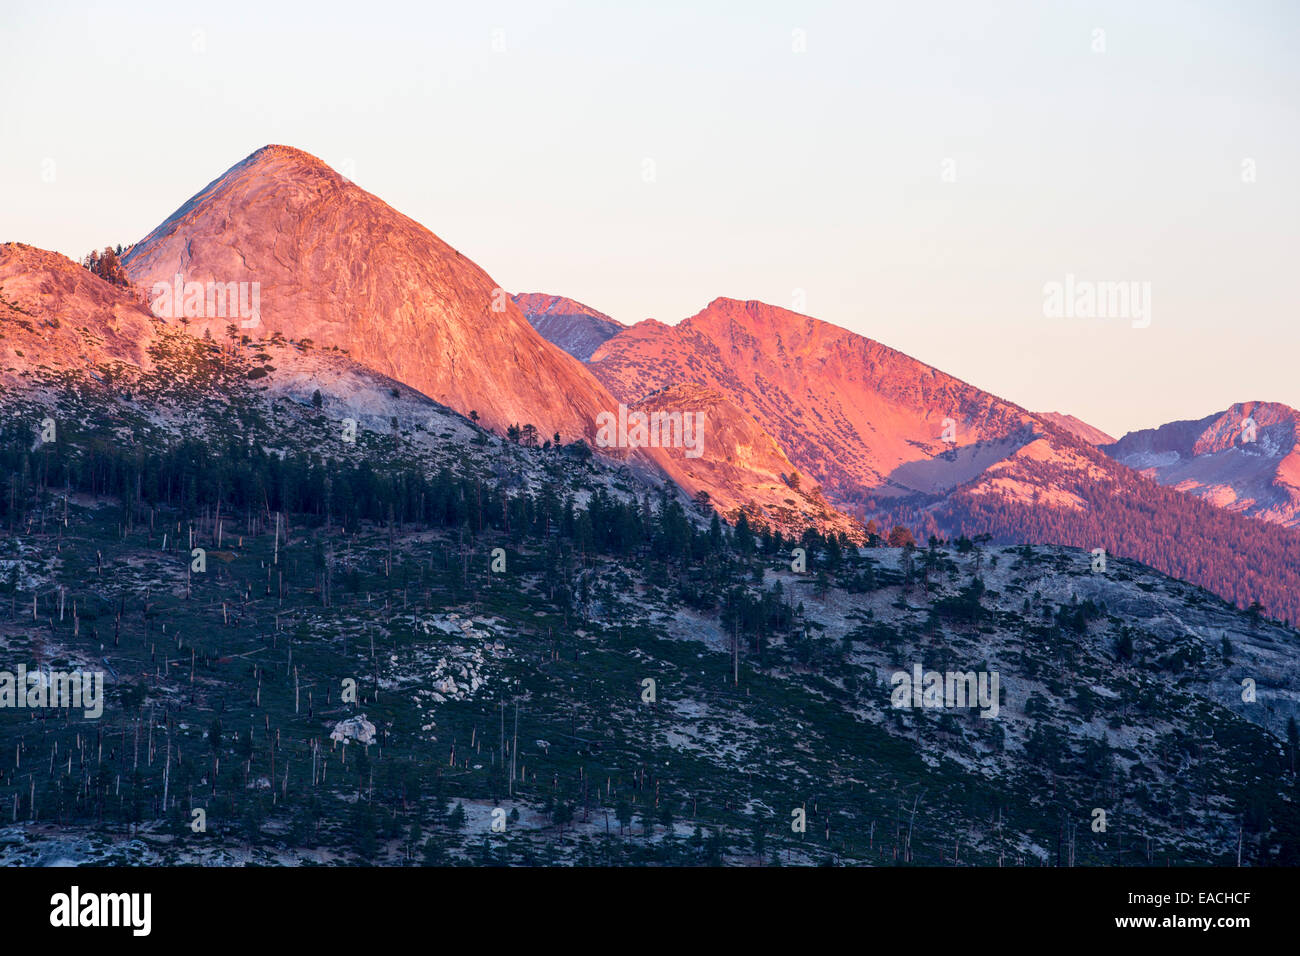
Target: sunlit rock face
[{"x": 338, "y": 266}]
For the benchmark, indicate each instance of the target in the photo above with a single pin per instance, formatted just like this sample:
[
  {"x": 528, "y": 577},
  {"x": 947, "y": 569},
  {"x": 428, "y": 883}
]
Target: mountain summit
[{"x": 339, "y": 267}]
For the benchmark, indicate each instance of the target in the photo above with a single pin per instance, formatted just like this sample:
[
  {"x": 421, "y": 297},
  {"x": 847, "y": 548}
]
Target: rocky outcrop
[{"x": 356, "y": 729}]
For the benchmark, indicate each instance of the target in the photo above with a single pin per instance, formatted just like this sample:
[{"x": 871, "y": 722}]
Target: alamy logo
[
  {"x": 653, "y": 430},
  {"x": 947, "y": 689},
  {"x": 74, "y": 909},
  {"x": 212, "y": 300},
  {"x": 1086, "y": 299},
  {"x": 55, "y": 689}
]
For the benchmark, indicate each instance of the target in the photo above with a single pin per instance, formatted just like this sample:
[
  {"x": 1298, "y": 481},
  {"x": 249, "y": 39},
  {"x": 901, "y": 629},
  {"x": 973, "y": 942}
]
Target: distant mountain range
[
  {"x": 1245, "y": 459},
  {"x": 865, "y": 421},
  {"x": 806, "y": 423},
  {"x": 574, "y": 327},
  {"x": 892, "y": 439}
]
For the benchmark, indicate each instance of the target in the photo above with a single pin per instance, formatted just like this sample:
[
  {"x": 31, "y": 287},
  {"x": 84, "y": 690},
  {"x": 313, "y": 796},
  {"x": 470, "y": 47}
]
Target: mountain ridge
[
  {"x": 574, "y": 327},
  {"x": 868, "y": 423},
  {"x": 848, "y": 410}
]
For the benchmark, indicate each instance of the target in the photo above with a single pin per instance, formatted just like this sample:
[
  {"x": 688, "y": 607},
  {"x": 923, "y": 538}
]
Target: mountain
[
  {"x": 574, "y": 327},
  {"x": 374, "y": 559},
  {"x": 864, "y": 420},
  {"x": 1245, "y": 459},
  {"x": 867, "y": 423},
  {"x": 1077, "y": 427},
  {"x": 339, "y": 268}
]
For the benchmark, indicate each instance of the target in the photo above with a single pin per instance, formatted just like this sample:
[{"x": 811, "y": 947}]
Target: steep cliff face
[
  {"x": 338, "y": 266},
  {"x": 1245, "y": 459}
]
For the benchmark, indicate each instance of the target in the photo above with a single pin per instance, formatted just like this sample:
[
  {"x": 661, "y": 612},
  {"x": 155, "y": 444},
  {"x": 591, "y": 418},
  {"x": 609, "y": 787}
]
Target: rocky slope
[
  {"x": 339, "y": 269},
  {"x": 741, "y": 468},
  {"x": 54, "y": 313},
  {"x": 863, "y": 420},
  {"x": 1245, "y": 459}
]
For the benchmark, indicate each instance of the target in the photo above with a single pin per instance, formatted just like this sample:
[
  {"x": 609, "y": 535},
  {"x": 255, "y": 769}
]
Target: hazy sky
[{"x": 919, "y": 170}]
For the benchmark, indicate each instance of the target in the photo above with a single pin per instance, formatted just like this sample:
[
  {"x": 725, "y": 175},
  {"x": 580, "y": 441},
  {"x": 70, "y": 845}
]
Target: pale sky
[{"x": 919, "y": 170}]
